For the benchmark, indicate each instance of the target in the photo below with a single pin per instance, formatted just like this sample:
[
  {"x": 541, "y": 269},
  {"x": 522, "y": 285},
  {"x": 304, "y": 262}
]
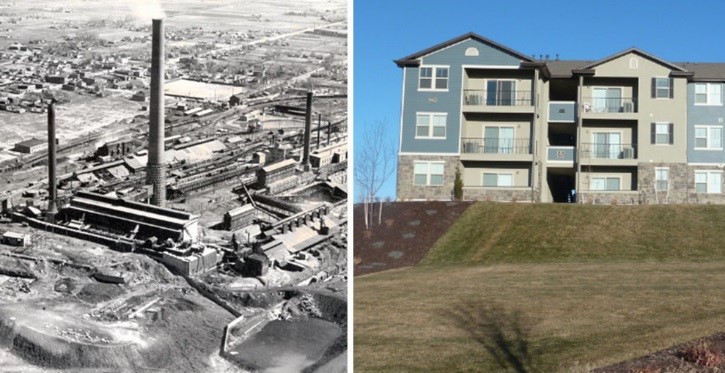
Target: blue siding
[
  {"x": 702, "y": 115},
  {"x": 562, "y": 112},
  {"x": 560, "y": 153},
  {"x": 445, "y": 102}
]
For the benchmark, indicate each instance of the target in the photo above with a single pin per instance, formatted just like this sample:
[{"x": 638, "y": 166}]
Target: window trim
[
  {"x": 707, "y": 94},
  {"x": 434, "y": 69},
  {"x": 591, "y": 178},
  {"x": 666, "y": 125},
  {"x": 497, "y": 173},
  {"x": 430, "y": 115},
  {"x": 707, "y": 180},
  {"x": 670, "y": 87},
  {"x": 428, "y": 173},
  {"x": 657, "y": 180},
  {"x": 708, "y": 138}
]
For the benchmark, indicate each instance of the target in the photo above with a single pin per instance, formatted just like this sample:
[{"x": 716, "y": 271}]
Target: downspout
[
  {"x": 534, "y": 135},
  {"x": 579, "y": 138}
]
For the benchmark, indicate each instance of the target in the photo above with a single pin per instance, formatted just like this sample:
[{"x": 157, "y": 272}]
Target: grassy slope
[
  {"x": 500, "y": 233},
  {"x": 595, "y": 284}
]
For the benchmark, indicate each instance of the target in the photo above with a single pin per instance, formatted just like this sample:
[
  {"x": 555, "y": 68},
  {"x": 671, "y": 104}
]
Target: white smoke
[{"x": 146, "y": 9}]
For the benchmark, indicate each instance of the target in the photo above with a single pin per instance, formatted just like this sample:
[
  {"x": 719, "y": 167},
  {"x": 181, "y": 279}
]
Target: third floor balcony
[
  {"x": 496, "y": 149},
  {"x": 498, "y": 101}
]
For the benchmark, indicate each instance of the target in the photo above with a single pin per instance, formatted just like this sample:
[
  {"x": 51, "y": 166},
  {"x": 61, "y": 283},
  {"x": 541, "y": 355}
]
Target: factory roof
[
  {"x": 240, "y": 210},
  {"x": 31, "y": 142},
  {"x": 279, "y": 165},
  {"x": 155, "y": 213},
  {"x": 17, "y": 236}
]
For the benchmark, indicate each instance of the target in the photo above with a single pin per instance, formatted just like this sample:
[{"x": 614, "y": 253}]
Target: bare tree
[{"x": 374, "y": 164}]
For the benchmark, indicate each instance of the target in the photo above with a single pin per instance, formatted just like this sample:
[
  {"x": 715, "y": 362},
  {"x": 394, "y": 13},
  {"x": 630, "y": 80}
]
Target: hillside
[
  {"x": 544, "y": 233},
  {"x": 575, "y": 287}
]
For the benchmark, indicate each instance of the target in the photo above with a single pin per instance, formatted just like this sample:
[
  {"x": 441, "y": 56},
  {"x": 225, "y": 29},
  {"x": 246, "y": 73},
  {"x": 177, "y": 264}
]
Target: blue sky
[{"x": 577, "y": 30}]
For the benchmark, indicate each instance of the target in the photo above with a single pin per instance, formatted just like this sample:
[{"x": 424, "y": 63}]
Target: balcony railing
[
  {"x": 609, "y": 105},
  {"x": 474, "y": 97},
  {"x": 609, "y": 151},
  {"x": 495, "y": 146},
  {"x": 561, "y": 153}
]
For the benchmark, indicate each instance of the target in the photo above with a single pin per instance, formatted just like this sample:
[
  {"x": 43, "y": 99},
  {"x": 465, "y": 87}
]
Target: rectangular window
[
  {"x": 428, "y": 173},
  {"x": 607, "y": 100},
  {"x": 498, "y": 180},
  {"x": 662, "y": 133},
  {"x": 433, "y": 78},
  {"x": 661, "y": 179},
  {"x": 607, "y": 145},
  {"x": 501, "y": 93},
  {"x": 662, "y": 88},
  {"x": 709, "y": 182},
  {"x": 708, "y": 94},
  {"x": 708, "y": 137},
  {"x": 604, "y": 183},
  {"x": 430, "y": 125},
  {"x": 498, "y": 140}
]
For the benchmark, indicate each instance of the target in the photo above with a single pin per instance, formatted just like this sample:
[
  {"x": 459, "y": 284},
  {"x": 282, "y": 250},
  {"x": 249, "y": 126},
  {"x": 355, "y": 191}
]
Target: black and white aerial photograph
[{"x": 173, "y": 186}]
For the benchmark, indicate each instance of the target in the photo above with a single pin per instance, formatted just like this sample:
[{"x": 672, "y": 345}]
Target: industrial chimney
[
  {"x": 155, "y": 168},
  {"x": 52, "y": 190},
  {"x": 308, "y": 130}
]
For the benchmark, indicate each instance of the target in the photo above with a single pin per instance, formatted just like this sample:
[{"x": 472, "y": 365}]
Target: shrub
[{"x": 701, "y": 353}]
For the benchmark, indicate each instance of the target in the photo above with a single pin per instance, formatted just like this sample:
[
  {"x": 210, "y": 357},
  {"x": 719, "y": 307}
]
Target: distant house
[
  {"x": 55, "y": 79},
  {"x": 116, "y": 148},
  {"x": 31, "y": 146},
  {"x": 139, "y": 96},
  {"x": 235, "y": 100}
]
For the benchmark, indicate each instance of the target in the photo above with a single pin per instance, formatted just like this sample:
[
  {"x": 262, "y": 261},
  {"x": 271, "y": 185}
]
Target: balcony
[
  {"x": 604, "y": 154},
  {"x": 562, "y": 111},
  {"x": 510, "y": 101},
  {"x": 560, "y": 156},
  {"x": 609, "y": 107},
  {"x": 496, "y": 149}
]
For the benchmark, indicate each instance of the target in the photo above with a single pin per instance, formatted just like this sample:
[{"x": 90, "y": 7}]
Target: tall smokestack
[
  {"x": 52, "y": 191},
  {"x": 308, "y": 129},
  {"x": 156, "y": 169}
]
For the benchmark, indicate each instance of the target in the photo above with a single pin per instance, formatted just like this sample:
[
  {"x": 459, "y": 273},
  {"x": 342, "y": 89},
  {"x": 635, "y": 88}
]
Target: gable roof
[
  {"x": 412, "y": 60},
  {"x": 638, "y": 52}
]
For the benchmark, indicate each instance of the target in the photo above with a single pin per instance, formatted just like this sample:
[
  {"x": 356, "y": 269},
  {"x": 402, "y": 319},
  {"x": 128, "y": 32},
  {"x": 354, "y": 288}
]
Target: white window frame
[
  {"x": 434, "y": 71},
  {"x": 708, "y": 137},
  {"x": 603, "y": 109},
  {"x": 666, "y": 125},
  {"x": 430, "y": 116},
  {"x": 709, "y": 94},
  {"x": 657, "y": 87},
  {"x": 497, "y": 98},
  {"x": 613, "y": 151},
  {"x": 666, "y": 180},
  {"x": 605, "y": 178},
  {"x": 498, "y": 178},
  {"x": 502, "y": 149},
  {"x": 428, "y": 173},
  {"x": 708, "y": 174}
]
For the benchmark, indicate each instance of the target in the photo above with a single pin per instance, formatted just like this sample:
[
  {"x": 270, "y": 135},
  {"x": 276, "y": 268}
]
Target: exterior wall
[
  {"x": 407, "y": 191},
  {"x": 443, "y": 101},
  {"x": 679, "y": 184},
  {"x": 702, "y": 198},
  {"x": 610, "y": 198},
  {"x": 626, "y": 178},
  {"x": 702, "y": 115},
  {"x": 497, "y": 194},
  {"x": 473, "y": 125},
  {"x": 473, "y": 173}
]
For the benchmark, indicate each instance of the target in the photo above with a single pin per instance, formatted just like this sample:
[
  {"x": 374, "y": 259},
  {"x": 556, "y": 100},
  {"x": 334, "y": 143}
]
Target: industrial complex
[{"x": 218, "y": 220}]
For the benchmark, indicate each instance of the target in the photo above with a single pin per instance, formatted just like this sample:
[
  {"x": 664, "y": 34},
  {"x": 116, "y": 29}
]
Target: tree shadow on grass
[{"x": 505, "y": 335}]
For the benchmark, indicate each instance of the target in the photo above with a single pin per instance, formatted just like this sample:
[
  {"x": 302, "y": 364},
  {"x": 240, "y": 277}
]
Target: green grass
[
  {"x": 592, "y": 285},
  {"x": 490, "y": 233}
]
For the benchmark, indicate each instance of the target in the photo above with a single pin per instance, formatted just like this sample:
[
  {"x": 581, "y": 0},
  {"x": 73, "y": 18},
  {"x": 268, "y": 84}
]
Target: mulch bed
[
  {"x": 407, "y": 231},
  {"x": 706, "y": 354}
]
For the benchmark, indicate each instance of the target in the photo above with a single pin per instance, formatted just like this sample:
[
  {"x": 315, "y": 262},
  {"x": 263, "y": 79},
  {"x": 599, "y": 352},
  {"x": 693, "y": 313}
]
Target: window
[
  {"x": 708, "y": 94},
  {"x": 607, "y": 100},
  {"x": 662, "y": 88},
  {"x": 433, "y": 78},
  {"x": 428, "y": 173},
  {"x": 430, "y": 125},
  {"x": 708, "y": 182},
  {"x": 661, "y": 178},
  {"x": 607, "y": 145},
  {"x": 662, "y": 133},
  {"x": 498, "y": 140},
  {"x": 708, "y": 137},
  {"x": 497, "y": 180},
  {"x": 605, "y": 183},
  {"x": 501, "y": 93}
]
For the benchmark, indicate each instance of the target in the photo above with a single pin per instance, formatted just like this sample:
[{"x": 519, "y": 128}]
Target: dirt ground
[{"x": 407, "y": 232}]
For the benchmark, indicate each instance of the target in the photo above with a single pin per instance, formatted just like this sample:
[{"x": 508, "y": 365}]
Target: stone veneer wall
[
  {"x": 701, "y": 198},
  {"x": 680, "y": 180},
  {"x": 610, "y": 198},
  {"x": 407, "y": 191},
  {"x": 497, "y": 194}
]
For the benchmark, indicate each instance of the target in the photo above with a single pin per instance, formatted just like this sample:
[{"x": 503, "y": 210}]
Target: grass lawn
[{"x": 573, "y": 287}]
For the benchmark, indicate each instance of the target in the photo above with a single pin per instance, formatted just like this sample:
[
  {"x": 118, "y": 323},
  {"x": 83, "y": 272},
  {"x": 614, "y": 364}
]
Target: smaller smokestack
[
  {"x": 319, "y": 129},
  {"x": 329, "y": 131},
  {"x": 308, "y": 129},
  {"x": 52, "y": 191}
]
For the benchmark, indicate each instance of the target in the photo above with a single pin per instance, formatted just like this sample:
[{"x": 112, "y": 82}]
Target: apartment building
[{"x": 630, "y": 128}]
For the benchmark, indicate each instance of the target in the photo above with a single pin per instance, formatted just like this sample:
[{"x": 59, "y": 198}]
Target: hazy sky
[{"x": 676, "y": 31}]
